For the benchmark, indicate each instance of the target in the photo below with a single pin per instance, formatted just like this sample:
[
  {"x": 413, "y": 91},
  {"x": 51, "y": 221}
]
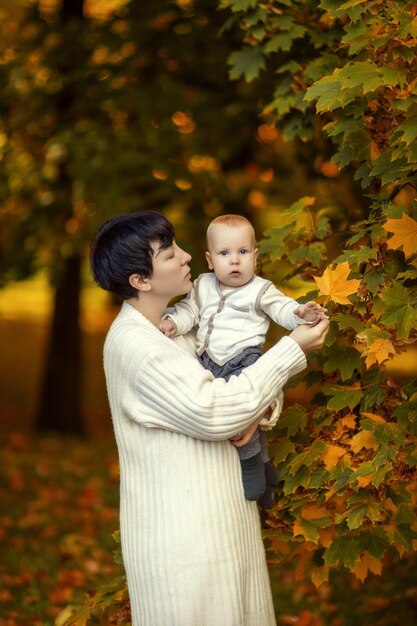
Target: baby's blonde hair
[{"x": 230, "y": 220}]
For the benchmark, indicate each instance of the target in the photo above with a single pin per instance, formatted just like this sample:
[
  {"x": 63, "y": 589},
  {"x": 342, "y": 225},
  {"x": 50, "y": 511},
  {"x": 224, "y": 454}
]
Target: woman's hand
[
  {"x": 244, "y": 437},
  {"x": 311, "y": 337}
]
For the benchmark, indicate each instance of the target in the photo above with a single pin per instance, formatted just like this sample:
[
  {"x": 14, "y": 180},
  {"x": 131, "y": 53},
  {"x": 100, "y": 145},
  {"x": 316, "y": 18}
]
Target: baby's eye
[
  {"x": 223, "y": 252},
  {"x": 243, "y": 251}
]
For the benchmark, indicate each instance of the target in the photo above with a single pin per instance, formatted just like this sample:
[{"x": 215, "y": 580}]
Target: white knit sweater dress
[{"x": 191, "y": 542}]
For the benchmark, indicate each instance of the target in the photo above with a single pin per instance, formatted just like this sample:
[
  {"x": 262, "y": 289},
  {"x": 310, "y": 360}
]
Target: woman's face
[{"x": 171, "y": 274}]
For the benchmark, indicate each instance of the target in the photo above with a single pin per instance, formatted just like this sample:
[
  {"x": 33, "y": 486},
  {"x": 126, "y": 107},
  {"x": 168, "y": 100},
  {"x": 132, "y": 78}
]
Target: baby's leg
[
  {"x": 271, "y": 475},
  {"x": 253, "y": 473}
]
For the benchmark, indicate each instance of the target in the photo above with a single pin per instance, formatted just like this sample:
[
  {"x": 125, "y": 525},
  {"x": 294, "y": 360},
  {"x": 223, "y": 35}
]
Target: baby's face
[{"x": 232, "y": 254}]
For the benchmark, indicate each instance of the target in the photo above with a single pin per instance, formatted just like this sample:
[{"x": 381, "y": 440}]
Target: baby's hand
[
  {"x": 168, "y": 327},
  {"x": 311, "y": 312}
]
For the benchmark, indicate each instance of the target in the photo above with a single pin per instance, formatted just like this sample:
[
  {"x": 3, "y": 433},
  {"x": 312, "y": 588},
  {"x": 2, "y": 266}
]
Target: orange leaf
[
  {"x": 335, "y": 284},
  {"x": 313, "y": 511},
  {"x": 405, "y": 234},
  {"x": 326, "y": 536},
  {"x": 367, "y": 563},
  {"x": 364, "y": 481},
  {"x": 380, "y": 350},
  {"x": 331, "y": 455},
  {"x": 349, "y": 420}
]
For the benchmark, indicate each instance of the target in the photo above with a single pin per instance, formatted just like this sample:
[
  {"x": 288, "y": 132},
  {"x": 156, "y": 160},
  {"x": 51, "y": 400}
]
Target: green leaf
[
  {"x": 307, "y": 458},
  {"x": 385, "y": 433},
  {"x": 344, "y": 549},
  {"x": 313, "y": 252},
  {"x": 239, "y": 5},
  {"x": 280, "y": 449},
  {"x": 293, "y": 419},
  {"x": 404, "y": 535},
  {"x": 373, "y": 280},
  {"x": 345, "y": 359},
  {"x": 375, "y": 540},
  {"x": 80, "y": 618},
  {"x": 342, "y": 397},
  {"x": 408, "y": 130},
  {"x": 396, "y": 308},
  {"x": 300, "y": 479},
  {"x": 246, "y": 63},
  {"x": 283, "y": 41},
  {"x": 360, "y": 255},
  {"x": 363, "y": 74},
  {"x": 327, "y": 92},
  {"x": 345, "y": 321}
]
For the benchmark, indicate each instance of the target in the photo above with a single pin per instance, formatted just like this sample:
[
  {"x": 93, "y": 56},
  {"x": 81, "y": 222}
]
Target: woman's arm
[{"x": 167, "y": 388}]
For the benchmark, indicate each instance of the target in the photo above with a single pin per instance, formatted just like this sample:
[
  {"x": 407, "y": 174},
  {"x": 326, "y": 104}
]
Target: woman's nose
[{"x": 186, "y": 258}]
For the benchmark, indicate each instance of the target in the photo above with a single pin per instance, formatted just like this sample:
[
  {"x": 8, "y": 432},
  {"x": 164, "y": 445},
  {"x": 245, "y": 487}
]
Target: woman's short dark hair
[{"x": 122, "y": 247}]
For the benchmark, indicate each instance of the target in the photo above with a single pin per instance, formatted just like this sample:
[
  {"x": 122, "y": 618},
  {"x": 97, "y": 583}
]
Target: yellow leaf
[
  {"x": 363, "y": 439},
  {"x": 379, "y": 351},
  {"x": 367, "y": 563},
  {"x": 335, "y": 283},
  {"x": 374, "y": 417},
  {"x": 331, "y": 455},
  {"x": 405, "y": 234},
  {"x": 319, "y": 575},
  {"x": 349, "y": 420}
]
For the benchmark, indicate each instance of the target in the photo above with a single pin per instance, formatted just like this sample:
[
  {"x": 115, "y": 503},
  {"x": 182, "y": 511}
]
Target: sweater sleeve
[
  {"x": 280, "y": 308},
  {"x": 168, "y": 388}
]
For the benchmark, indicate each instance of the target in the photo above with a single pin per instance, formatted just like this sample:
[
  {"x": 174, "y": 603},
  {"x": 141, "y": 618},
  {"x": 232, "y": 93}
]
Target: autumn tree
[
  {"x": 346, "y": 70},
  {"x": 104, "y": 113}
]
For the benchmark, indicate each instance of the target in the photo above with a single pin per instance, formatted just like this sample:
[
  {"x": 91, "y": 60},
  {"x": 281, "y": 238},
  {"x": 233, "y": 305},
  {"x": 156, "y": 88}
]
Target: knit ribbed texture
[{"x": 191, "y": 543}]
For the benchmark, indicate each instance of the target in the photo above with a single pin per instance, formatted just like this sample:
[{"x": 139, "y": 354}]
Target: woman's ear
[
  {"x": 139, "y": 283},
  {"x": 208, "y": 259}
]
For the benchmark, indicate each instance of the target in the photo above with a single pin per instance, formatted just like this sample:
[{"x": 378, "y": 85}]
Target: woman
[{"x": 191, "y": 542}]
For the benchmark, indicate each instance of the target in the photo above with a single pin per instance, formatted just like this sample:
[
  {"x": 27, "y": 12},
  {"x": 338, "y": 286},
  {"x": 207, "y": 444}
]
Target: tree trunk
[
  {"x": 60, "y": 401},
  {"x": 60, "y": 396}
]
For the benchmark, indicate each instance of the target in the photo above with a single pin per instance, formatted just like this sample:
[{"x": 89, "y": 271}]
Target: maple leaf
[
  {"x": 381, "y": 350},
  {"x": 363, "y": 439},
  {"x": 405, "y": 234},
  {"x": 335, "y": 284},
  {"x": 331, "y": 455},
  {"x": 367, "y": 563}
]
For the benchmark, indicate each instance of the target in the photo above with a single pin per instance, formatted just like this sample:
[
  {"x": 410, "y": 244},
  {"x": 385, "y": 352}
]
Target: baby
[{"x": 233, "y": 307}]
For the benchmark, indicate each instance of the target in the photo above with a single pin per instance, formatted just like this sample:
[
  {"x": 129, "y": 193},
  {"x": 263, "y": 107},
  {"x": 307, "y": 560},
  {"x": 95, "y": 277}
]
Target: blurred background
[{"x": 108, "y": 107}]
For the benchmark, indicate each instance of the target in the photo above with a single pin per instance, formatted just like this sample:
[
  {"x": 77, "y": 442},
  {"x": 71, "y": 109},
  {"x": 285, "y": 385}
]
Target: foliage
[
  {"x": 355, "y": 60},
  {"x": 59, "y": 505},
  {"x": 110, "y": 114},
  {"x": 348, "y": 464}
]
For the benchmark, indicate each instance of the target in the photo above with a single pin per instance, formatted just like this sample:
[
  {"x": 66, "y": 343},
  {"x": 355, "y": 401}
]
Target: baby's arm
[
  {"x": 310, "y": 312},
  {"x": 168, "y": 327},
  {"x": 184, "y": 317},
  {"x": 286, "y": 311}
]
